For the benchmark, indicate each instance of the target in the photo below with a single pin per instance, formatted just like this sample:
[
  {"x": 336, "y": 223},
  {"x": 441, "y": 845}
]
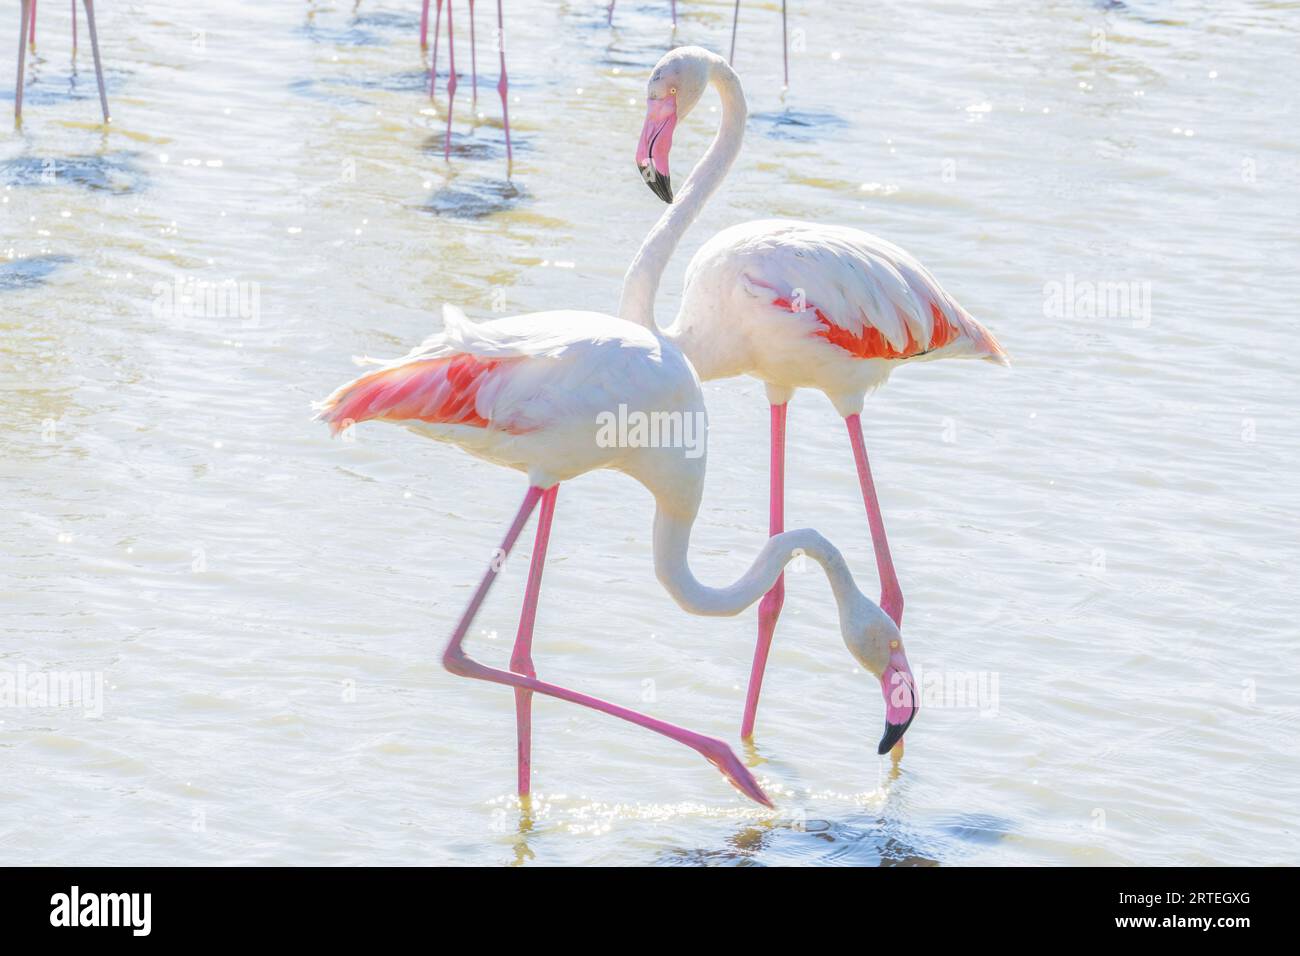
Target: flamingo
[
  {"x": 795, "y": 305},
  {"x": 27, "y": 32},
  {"x": 528, "y": 392},
  {"x": 503, "y": 82}
]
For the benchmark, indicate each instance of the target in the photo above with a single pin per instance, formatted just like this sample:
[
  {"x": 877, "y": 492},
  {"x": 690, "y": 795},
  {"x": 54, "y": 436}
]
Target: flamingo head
[
  {"x": 675, "y": 86},
  {"x": 873, "y": 639}
]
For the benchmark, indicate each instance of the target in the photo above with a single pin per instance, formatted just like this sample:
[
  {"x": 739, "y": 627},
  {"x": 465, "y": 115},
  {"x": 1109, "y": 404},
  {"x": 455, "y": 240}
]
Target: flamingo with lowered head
[
  {"x": 534, "y": 392},
  {"x": 794, "y": 304}
]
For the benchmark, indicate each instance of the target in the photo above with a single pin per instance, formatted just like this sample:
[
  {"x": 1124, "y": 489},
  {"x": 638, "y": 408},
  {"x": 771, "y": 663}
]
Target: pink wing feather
[
  {"x": 871, "y": 298},
  {"x": 443, "y": 389}
]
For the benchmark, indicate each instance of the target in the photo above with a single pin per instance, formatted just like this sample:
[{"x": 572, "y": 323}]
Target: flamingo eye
[{"x": 672, "y": 91}]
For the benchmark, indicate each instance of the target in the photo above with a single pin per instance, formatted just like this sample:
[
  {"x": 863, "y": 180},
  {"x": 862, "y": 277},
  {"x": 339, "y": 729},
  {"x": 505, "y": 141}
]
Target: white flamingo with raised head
[
  {"x": 794, "y": 304},
  {"x": 533, "y": 392}
]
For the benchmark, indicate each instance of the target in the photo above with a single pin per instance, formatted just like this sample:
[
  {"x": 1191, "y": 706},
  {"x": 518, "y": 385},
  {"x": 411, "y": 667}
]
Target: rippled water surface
[{"x": 1102, "y": 540}]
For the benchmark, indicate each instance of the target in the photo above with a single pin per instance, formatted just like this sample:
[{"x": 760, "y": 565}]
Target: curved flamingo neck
[
  {"x": 641, "y": 283},
  {"x": 672, "y": 538}
]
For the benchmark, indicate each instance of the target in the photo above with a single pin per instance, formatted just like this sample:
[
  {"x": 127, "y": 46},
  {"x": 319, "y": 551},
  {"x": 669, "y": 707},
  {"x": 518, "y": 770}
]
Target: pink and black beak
[
  {"x": 902, "y": 702},
  {"x": 656, "y": 141}
]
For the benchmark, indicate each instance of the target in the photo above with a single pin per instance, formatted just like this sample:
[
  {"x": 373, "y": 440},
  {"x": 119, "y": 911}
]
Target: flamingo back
[
  {"x": 865, "y": 296},
  {"x": 538, "y": 392},
  {"x": 493, "y": 375}
]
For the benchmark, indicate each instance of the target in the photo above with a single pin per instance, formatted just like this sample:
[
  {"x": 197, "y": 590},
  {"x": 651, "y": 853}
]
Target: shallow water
[{"x": 1101, "y": 540}]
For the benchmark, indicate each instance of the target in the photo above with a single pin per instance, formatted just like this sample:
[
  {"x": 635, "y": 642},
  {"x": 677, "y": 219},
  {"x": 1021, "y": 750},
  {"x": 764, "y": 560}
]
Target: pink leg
[
  {"x": 32, "y": 41},
  {"x": 891, "y": 595},
  {"x": 473, "y": 60},
  {"x": 503, "y": 84},
  {"x": 458, "y": 662},
  {"x": 433, "y": 67},
  {"x": 785, "y": 48},
  {"x": 24, "y": 16},
  {"x": 769, "y": 609},
  {"x": 521, "y": 661},
  {"x": 674, "y": 14},
  {"x": 451, "y": 82},
  {"x": 424, "y": 25},
  {"x": 610, "y": 19},
  {"x": 735, "y": 19},
  {"x": 94, "y": 50},
  {"x": 74, "y": 29}
]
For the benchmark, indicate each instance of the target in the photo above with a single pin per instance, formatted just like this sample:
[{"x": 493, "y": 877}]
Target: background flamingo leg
[
  {"x": 433, "y": 66},
  {"x": 503, "y": 85},
  {"x": 32, "y": 28},
  {"x": 674, "y": 6},
  {"x": 521, "y": 660},
  {"x": 458, "y": 662},
  {"x": 785, "y": 49},
  {"x": 735, "y": 19},
  {"x": 473, "y": 60},
  {"x": 609, "y": 20},
  {"x": 891, "y": 595},
  {"x": 769, "y": 608},
  {"x": 424, "y": 24},
  {"x": 451, "y": 82},
  {"x": 22, "y": 60},
  {"x": 74, "y": 29},
  {"x": 94, "y": 49}
]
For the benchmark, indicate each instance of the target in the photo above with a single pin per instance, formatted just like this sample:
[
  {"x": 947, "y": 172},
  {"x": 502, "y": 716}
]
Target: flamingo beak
[
  {"x": 902, "y": 702},
  {"x": 656, "y": 141}
]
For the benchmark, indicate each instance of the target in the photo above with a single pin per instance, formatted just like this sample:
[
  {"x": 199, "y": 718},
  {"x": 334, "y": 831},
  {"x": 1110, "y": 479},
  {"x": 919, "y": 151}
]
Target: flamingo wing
[
  {"x": 514, "y": 375},
  {"x": 444, "y": 389},
  {"x": 443, "y": 380},
  {"x": 862, "y": 294}
]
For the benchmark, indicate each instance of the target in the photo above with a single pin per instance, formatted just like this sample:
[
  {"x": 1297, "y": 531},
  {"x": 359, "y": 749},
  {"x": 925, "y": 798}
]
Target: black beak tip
[
  {"x": 893, "y": 734},
  {"x": 661, "y": 186}
]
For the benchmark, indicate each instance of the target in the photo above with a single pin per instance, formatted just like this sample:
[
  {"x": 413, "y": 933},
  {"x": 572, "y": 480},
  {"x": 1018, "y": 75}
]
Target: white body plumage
[{"x": 799, "y": 304}]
